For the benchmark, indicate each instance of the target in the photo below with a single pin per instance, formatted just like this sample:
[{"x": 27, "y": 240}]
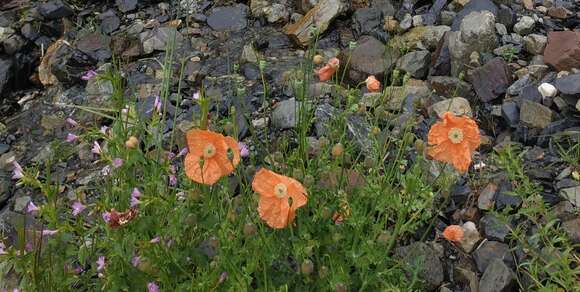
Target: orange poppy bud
[
  {"x": 325, "y": 73},
  {"x": 373, "y": 85},
  {"x": 453, "y": 233}
]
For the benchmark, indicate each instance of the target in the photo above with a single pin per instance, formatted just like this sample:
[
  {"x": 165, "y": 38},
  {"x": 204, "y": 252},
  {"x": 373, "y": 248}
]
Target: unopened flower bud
[{"x": 132, "y": 142}]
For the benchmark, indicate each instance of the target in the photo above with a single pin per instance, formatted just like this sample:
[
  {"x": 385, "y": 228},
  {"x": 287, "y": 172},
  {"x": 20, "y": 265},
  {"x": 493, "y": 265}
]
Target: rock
[
  {"x": 489, "y": 251},
  {"x": 6, "y": 77},
  {"x": 384, "y": 6},
  {"x": 503, "y": 200},
  {"x": 516, "y": 88},
  {"x": 366, "y": 21},
  {"x": 535, "y": 114},
  {"x": 156, "y": 39},
  {"x": 450, "y": 86},
  {"x": 228, "y": 18},
  {"x": 572, "y": 228},
  {"x": 473, "y": 6},
  {"x": 531, "y": 93},
  {"x": 274, "y": 12},
  {"x": 486, "y": 197},
  {"x": 528, "y": 4},
  {"x": 494, "y": 228},
  {"x": 569, "y": 85},
  {"x": 423, "y": 37},
  {"x": 406, "y": 22},
  {"x": 249, "y": 54},
  {"x": 511, "y": 113},
  {"x": 95, "y": 45},
  {"x": 369, "y": 57},
  {"x": 423, "y": 255},
  {"x": 501, "y": 29},
  {"x": 5, "y": 184},
  {"x": 357, "y": 127},
  {"x": 69, "y": 64},
  {"x": 4, "y": 148},
  {"x": 126, "y": 5},
  {"x": 578, "y": 105},
  {"x": 525, "y": 25},
  {"x": 571, "y": 194},
  {"x": 319, "y": 17},
  {"x": 284, "y": 115},
  {"x": 563, "y": 50},
  {"x": 497, "y": 278},
  {"x": 416, "y": 63},
  {"x": 470, "y": 237},
  {"x": 54, "y": 9},
  {"x": 491, "y": 80},
  {"x": 110, "y": 22},
  {"x": 457, "y": 105},
  {"x": 535, "y": 43},
  {"x": 559, "y": 12},
  {"x": 477, "y": 33},
  {"x": 548, "y": 90},
  {"x": 21, "y": 203}
]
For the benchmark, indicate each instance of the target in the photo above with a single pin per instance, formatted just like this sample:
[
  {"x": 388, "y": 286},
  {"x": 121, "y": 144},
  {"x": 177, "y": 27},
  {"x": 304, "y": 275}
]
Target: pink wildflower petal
[
  {"x": 77, "y": 207},
  {"x": 152, "y": 287},
  {"x": 18, "y": 172},
  {"x": 101, "y": 262},
  {"x": 155, "y": 240},
  {"x": 136, "y": 261},
  {"x": 89, "y": 75},
  {"x": 70, "y": 137},
  {"x": 106, "y": 216},
  {"x": 172, "y": 180},
  {"x": 244, "y": 150},
  {"x": 71, "y": 122},
  {"x": 182, "y": 152},
  {"x": 48, "y": 232},
  {"x": 117, "y": 162},
  {"x": 31, "y": 208},
  {"x": 96, "y": 148}
]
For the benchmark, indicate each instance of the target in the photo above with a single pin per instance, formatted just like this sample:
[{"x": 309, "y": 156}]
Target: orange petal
[
  {"x": 438, "y": 134},
  {"x": 264, "y": 182},
  {"x": 210, "y": 173},
  {"x": 325, "y": 73},
  {"x": 235, "y": 148},
  {"x": 462, "y": 158},
  {"x": 274, "y": 211}
]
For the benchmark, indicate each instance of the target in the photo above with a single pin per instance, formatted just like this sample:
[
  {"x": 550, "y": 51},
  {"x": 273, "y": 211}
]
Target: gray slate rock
[
  {"x": 511, "y": 113},
  {"x": 571, "y": 194},
  {"x": 284, "y": 115},
  {"x": 96, "y": 45},
  {"x": 493, "y": 228},
  {"x": 54, "y": 9},
  {"x": 228, "y": 18},
  {"x": 489, "y": 251},
  {"x": 6, "y": 77},
  {"x": 420, "y": 254},
  {"x": 473, "y": 6},
  {"x": 535, "y": 114},
  {"x": 156, "y": 39},
  {"x": 569, "y": 85},
  {"x": 126, "y": 5},
  {"x": 370, "y": 57},
  {"x": 416, "y": 63},
  {"x": 572, "y": 228},
  {"x": 498, "y": 277}
]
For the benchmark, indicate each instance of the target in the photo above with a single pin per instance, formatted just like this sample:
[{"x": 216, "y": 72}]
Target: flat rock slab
[
  {"x": 491, "y": 80},
  {"x": 319, "y": 17},
  {"x": 563, "y": 50},
  {"x": 228, "y": 18}
]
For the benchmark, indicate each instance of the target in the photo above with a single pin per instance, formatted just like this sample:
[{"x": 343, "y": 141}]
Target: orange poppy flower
[
  {"x": 373, "y": 85},
  {"x": 453, "y": 140},
  {"x": 453, "y": 233},
  {"x": 326, "y": 72},
  {"x": 280, "y": 196},
  {"x": 211, "y": 156}
]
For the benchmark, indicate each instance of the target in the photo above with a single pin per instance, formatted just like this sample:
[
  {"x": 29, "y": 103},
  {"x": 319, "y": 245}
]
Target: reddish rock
[
  {"x": 491, "y": 80},
  {"x": 559, "y": 12},
  {"x": 563, "y": 50}
]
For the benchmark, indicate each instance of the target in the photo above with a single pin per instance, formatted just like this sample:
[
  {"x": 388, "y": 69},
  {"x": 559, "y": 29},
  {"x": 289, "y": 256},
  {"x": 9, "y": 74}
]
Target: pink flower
[
  {"x": 89, "y": 75},
  {"x": 2, "y": 247},
  {"x": 48, "y": 232},
  {"x": 244, "y": 150},
  {"x": 135, "y": 195},
  {"x": 71, "y": 122},
  {"x": 182, "y": 152},
  {"x": 17, "y": 171},
  {"x": 125, "y": 110},
  {"x": 136, "y": 261},
  {"x": 106, "y": 216},
  {"x": 170, "y": 155},
  {"x": 195, "y": 96},
  {"x": 155, "y": 240},
  {"x": 96, "y": 148},
  {"x": 117, "y": 162},
  {"x": 104, "y": 130},
  {"x": 79, "y": 270},
  {"x": 31, "y": 208},
  {"x": 172, "y": 180},
  {"x": 157, "y": 104},
  {"x": 152, "y": 287},
  {"x": 101, "y": 262},
  {"x": 77, "y": 207},
  {"x": 70, "y": 137}
]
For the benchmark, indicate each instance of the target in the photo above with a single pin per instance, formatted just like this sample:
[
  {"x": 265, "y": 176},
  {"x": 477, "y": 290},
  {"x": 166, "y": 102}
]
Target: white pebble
[{"x": 547, "y": 90}]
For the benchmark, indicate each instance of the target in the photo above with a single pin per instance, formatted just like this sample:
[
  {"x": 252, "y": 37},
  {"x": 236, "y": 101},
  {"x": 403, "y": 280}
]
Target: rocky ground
[{"x": 512, "y": 65}]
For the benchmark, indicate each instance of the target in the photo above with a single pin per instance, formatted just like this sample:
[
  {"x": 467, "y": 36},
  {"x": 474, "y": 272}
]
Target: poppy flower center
[
  {"x": 455, "y": 135},
  {"x": 281, "y": 190},
  {"x": 209, "y": 151}
]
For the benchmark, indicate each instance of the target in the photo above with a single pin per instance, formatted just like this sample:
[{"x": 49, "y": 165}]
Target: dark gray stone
[
  {"x": 126, "y": 5},
  {"x": 96, "y": 45},
  {"x": 569, "y": 85},
  {"x": 491, "y": 80},
  {"x": 489, "y": 251},
  {"x": 54, "y": 9},
  {"x": 497, "y": 278},
  {"x": 4, "y": 148},
  {"x": 420, "y": 254},
  {"x": 416, "y": 63},
  {"x": 503, "y": 200},
  {"x": 572, "y": 228},
  {"x": 531, "y": 93},
  {"x": 110, "y": 22},
  {"x": 228, "y": 18},
  {"x": 472, "y": 6},
  {"x": 6, "y": 77},
  {"x": 384, "y": 6},
  {"x": 366, "y": 21},
  {"x": 511, "y": 113},
  {"x": 370, "y": 57},
  {"x": 494, "y": 228}
]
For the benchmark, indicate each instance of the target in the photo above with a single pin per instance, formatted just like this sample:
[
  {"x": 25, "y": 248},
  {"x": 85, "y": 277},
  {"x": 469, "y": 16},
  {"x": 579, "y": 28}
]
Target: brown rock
[
  {"x": 318, "y": 17},
  {"x": 369, "y": 57},
  {"x": 563, "y": 50},
  {"x": 559, "y": 12},
  {"x": 528, "y": 4},
  {"x": 44, "y": 69}
]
